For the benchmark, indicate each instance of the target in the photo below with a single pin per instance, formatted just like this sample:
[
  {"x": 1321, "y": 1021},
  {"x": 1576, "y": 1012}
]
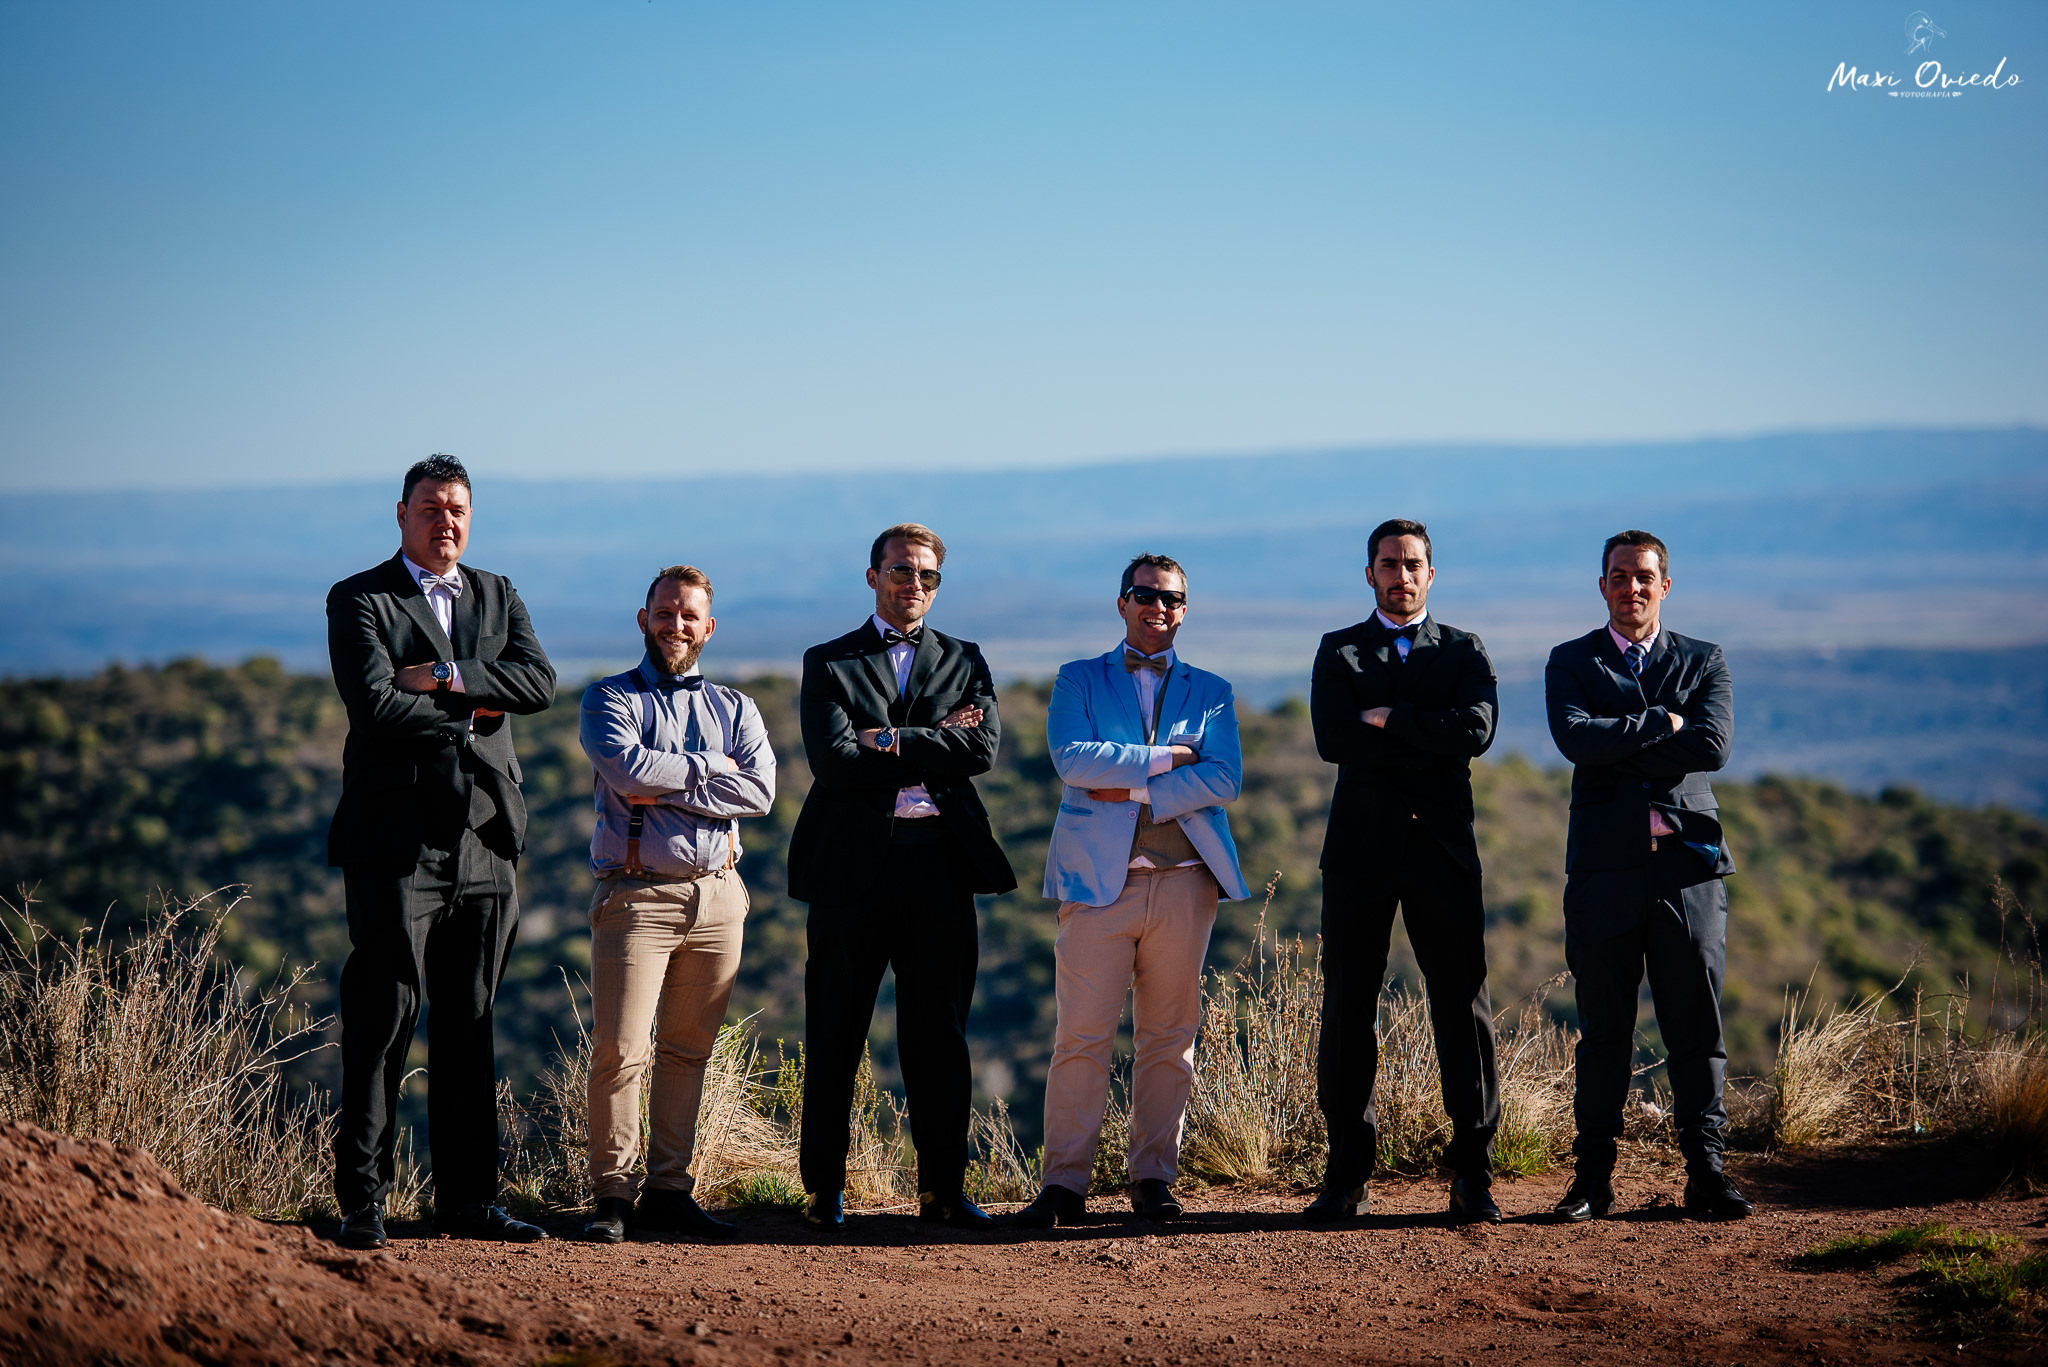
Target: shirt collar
[
  {"x": 1392, "y": 625},
  {"x": 420, "y": 571},
  {"x": 1622, "y": 643},
  {"x": 1166, "y": 654},
  {"x": 882, "y": 628},
  {"x": 652, "y": 671}
]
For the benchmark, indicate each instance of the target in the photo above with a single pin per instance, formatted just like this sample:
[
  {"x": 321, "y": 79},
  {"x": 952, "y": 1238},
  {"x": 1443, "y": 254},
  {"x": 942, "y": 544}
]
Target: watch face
[{"x": 443, "y": 671}]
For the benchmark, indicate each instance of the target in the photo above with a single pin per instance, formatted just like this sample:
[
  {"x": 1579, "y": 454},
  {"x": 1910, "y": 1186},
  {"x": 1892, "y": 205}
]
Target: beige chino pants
[
  {"x": 662, "y": 961},
  {"x": 1150, "y": 942}
]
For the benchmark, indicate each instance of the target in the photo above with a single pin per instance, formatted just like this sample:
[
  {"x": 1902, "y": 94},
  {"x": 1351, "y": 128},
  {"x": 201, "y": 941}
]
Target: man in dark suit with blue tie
[
  {"x": 1644, "y": 715},
  {"x": 1403, "y": 704}
]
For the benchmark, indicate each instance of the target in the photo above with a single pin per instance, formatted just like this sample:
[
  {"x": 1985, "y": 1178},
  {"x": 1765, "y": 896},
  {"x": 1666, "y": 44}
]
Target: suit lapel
[
  {"x": 876, "y": 659},
  {"x": 1616, "y": 664},
  {"x": 924, "y": 662},
  {"x": 1173, "y": 695},
  {"x": 415, "y": 605},
  {"x": 1657, "y": 670},
  {"x": 465, "y": 618},
  {"x": 1123, "y": 693}
]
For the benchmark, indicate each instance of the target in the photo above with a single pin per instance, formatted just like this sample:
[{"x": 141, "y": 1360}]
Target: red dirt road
[{"x": 103, "y": 1260}]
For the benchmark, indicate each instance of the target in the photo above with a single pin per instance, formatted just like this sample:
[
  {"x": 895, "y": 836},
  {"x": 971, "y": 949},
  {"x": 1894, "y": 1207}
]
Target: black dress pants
[
  {"x": 919, "y": 920},
  {"x": 1664, "y": 920},
  {"x": 1446, "y": 918},
  {"x": 439, "y": 929}
]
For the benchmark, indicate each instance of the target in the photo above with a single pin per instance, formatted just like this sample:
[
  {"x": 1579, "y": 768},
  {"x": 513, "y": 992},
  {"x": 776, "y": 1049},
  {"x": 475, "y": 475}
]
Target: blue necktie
[{"x": 1638, "y": 655}]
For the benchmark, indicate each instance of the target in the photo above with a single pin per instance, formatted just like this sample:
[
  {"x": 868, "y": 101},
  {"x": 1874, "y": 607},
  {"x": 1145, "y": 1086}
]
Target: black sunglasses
[
  {"x": 903, "y": 574},
  {"x": 1145, "y": 597}
]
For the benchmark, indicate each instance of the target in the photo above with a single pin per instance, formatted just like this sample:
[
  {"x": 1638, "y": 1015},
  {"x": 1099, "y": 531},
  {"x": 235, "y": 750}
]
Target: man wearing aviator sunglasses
[
  {"x": 1141, "y": 852},
  {"x": 891, "y": 847}
]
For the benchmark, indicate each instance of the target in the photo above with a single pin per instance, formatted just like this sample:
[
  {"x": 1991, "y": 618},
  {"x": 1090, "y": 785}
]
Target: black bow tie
[
  {"x": 671, "y": 682},
  {"x": 1408, "y": 631},
  {"x": 893, "y": 637}
]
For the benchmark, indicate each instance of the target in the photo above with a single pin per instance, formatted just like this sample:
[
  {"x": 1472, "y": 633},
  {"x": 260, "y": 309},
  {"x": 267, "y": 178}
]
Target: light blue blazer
[{"x": 1098, "y": 741}]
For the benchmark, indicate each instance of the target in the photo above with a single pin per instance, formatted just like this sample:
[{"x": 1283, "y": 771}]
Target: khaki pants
[
  {"x": 1152, "y": 941},
  {"x": 662, "y": 961}
]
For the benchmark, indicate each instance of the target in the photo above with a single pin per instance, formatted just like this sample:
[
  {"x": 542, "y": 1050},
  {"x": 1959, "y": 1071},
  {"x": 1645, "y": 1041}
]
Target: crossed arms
[{"x": 739, "y": 781}]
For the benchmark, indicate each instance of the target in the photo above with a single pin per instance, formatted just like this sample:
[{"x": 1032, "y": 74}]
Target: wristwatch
[
  {"x": 885, "y": 739},
  {"x": 444, "y": 673}
]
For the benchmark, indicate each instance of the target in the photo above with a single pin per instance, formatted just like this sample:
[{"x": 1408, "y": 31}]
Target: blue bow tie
[{"x": 671, "y": 682}]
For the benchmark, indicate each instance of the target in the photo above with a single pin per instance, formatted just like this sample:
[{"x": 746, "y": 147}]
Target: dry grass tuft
[
  {"x": 2013, "y": 1117},
  {"x": 1822, "y": 1070},
  {"x": 151, "y": 1042}
]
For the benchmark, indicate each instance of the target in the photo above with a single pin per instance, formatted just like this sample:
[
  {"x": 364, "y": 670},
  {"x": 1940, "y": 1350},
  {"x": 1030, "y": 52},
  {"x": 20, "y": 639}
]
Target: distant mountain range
[{"x": 1814, "y": 557}]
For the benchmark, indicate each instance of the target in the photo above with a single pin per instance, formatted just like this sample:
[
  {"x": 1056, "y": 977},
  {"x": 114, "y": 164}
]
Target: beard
[{"x": 672, "y": 663}]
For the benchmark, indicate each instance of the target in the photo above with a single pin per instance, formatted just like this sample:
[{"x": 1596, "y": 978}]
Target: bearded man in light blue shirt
[
  {"x": 1147, "y": 747},
  {"x": 677, "y": 762}
]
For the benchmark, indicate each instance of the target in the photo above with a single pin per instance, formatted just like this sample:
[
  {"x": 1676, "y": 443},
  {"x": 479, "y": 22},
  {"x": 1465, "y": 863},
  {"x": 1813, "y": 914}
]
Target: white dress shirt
[
  {"x": 1401, "y": 643},
  {"x": 1658, "y": 825},
  {"x": 443, "y": 604},
  {"x": 914, "y": 802}
]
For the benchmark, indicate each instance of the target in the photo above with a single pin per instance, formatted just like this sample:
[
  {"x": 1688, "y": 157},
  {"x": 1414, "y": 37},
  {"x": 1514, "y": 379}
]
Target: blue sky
[{"x": 307, "y": 242}]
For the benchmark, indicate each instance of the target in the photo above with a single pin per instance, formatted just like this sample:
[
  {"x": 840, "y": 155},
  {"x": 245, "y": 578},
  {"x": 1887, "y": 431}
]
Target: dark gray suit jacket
[
  {"x": 411, "y": 759},
  {"x": 1616, "y": 731}
]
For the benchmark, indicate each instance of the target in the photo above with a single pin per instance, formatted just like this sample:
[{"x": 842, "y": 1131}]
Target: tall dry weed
[{"x": 149, "y": 1041}]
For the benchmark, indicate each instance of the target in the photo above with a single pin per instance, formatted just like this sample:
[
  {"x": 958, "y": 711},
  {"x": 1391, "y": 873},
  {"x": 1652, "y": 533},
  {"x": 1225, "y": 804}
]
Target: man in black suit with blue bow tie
[
  {"x": 1403, "y": 704},
  {"x": 1644, "y": 715}
]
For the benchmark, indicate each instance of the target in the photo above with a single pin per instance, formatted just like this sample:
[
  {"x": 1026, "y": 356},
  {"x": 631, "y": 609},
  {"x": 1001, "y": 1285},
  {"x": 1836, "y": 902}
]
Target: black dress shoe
[
  {"x": 1056, "y": 1205},
  {"x": 1472, "y": 1203},
  {"x": 1153, "y": 1199},
  {"x": 1338, "y": 1203},
  {"x": 956, "y": 1212},
  {"x": 607, "y": 1223},
  {"x": 485, "y": 1222},
  {"x": 1590, "y": 1197},
  {"x": 1711, "y": 1196},
  {"x": 826, "y": 1211},
  {"x": 365, "y": 1228},
  {"x": 677, "y": 1212}
]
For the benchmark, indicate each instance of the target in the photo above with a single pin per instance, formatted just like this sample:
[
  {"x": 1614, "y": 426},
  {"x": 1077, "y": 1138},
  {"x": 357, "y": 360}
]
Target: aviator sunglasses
[
  {"x": 903, "y": 574},
  {"x": 1145, "y": 597}
]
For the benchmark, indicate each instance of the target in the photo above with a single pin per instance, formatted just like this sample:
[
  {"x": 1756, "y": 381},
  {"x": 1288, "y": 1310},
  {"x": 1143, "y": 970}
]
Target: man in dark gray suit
[
  {"x": 428, "y": 656},
  {"x": 1644, "y": 715}
]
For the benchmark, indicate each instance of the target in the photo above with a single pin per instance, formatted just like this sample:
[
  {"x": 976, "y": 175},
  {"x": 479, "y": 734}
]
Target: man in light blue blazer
[{"x": 1147, "y": 748}]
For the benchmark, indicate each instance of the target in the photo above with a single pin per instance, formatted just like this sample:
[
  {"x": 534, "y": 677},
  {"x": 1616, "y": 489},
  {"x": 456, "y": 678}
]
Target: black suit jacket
[
  {"x": 1418, "y": 767},
  {"x": 1617, "y": 733},
  {"x": 840, "y": 846},
  {"x": 411, "y": 759}
]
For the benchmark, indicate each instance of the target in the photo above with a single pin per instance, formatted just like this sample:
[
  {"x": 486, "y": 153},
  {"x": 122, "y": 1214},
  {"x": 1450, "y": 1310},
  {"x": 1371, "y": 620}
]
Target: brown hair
[
  {"x": 916, "y": 533},
  {"x": 1399, "y": 526},
  {"x": 1633, "y": 538},
  {"x": 1157, "y": 562},
  {"x": 680, "y": 574},
  {"x": 440, "y": 467}
]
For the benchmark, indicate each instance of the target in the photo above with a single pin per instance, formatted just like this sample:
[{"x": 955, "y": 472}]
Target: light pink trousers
[
  {"x": 662, "y": 961},
  {"x": 1150, "y": 942}
]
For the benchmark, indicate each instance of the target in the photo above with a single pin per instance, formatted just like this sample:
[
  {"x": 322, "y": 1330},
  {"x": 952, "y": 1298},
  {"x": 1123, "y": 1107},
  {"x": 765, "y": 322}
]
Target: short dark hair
[
  {"x": 680, "y": 574},
  {"x": 916, "y": 533},
  {"x": 1635, "y": 538},
  {"x": 1399, "y": 526},
  {"x": 442, "y": 469},
  {"x": 1157, "y": 562}
]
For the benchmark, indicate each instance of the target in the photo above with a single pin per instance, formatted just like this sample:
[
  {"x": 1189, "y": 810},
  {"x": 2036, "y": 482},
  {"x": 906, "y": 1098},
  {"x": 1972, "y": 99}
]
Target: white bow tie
[{"x": 450, "y": 582}]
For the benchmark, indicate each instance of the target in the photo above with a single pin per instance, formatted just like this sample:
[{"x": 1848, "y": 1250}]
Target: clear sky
[{"x": 310, "y": 241}]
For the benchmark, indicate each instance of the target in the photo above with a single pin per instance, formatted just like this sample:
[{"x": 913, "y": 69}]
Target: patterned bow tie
[
  {"x": 1637, "y": 655},
  {"x": 450, "y": 582},
  {"x": 1133, "y": 662},
  {"x": 671, "y": 682},
  {"x": 893, "y": 637}
]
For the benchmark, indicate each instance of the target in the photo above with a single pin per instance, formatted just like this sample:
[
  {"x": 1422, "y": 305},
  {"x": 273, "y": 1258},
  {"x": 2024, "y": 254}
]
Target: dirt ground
[{"x": 104, "y": 1260}]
